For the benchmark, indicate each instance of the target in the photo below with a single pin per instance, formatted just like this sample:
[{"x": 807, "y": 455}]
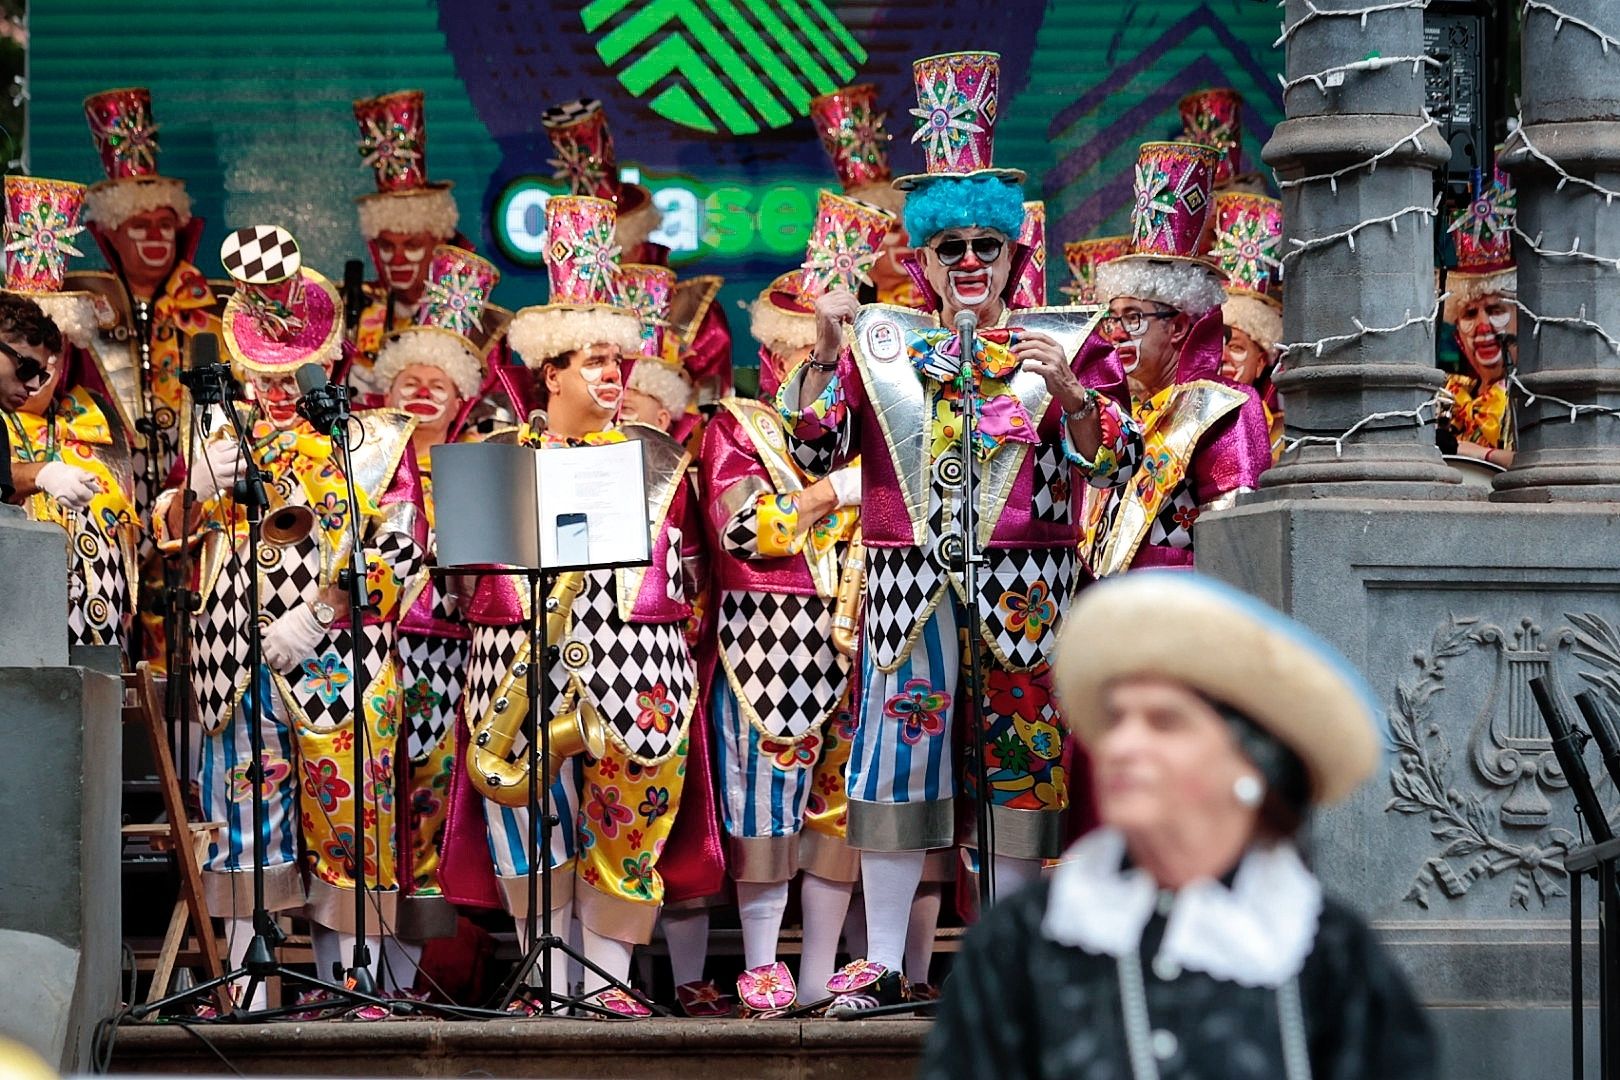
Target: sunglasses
[
  {"x": 986, "y": 248},
  {"x": 30, "y": 372}
]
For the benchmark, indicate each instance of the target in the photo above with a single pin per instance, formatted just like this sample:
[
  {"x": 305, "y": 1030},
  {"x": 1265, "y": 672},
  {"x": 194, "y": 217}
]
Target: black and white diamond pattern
[
  {"x": 321, "y": 686},
  {"x": 1052, "y": 476},
  {"x": 99, "y": 597},
  {"x": 741, "y": 537},
  {"x": 779, "y": 648},
  {"x": 569, "y": 112},
  {"x": 814, "y": 456},
  {"x": 626, "y": 660},
  {"x": 1173, "y": 527},
  {"x": 431, "y": 673},
  {"x": 260, "y": 254},
  {"x": 900, "y": 584},
  {"x": 674, "y": 586},
  {"x": 489, "y": 658},
  {"x": 1035, "y": 584}
]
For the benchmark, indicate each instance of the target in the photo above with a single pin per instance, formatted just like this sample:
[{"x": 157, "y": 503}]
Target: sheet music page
[{"x": 608, "y": 486}]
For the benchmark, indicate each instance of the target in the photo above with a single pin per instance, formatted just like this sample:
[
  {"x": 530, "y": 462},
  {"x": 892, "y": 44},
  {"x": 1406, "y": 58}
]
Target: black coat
[{"x": 1021, "y": 1005}]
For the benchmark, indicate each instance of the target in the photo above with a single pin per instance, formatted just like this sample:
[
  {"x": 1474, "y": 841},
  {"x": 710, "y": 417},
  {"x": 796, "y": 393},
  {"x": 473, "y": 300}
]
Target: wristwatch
[{"x": 324, "y": 613}]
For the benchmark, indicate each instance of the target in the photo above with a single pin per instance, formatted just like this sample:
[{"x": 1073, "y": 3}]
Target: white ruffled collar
[{"x": 1258, "y": 932}]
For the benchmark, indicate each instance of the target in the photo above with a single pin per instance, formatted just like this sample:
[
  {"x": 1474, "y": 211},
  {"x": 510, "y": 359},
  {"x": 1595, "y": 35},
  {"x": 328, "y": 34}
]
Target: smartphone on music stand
[{"x": 573, "y": 540}]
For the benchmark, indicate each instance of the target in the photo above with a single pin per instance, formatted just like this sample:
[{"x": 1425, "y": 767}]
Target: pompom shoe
[
  {"x": 767, "y": 990},
  {"x": 702, "y": 1000}
]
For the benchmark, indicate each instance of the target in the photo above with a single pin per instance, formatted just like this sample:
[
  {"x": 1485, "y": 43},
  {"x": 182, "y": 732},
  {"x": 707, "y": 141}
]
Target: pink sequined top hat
[
  {"x": 1214, "y": 117},
  {"x": 1083, "y": 257},
  {"x": 393, "y": 144},
  {"x": 283, "y": 314},
  {"x": 853, "y": 134},
  {"x": 1482, "y": 233},
  {"x": 1029, "y": 291},
  {"x": 843, "y": 246},
  {"x": 42, "y": 221},
  {"x": 125, "y": 134},
  {"x": 586, "y": 161},
  {"x": 1168, "y": 221},
  {"x": 647, "y": 291},
  {"x": 582, "y": 264},
  {"x": 957, "y": 107},
  {"x": 1248, "y": 246},
  {"x": 455, "y": 328}
]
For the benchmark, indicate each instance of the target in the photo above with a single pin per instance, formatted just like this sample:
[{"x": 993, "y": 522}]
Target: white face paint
[
  {"x": 606, "y": 394},
  {"x": 154, "y": 246},
  {"x": 276, "y": 395},
  {"x": 426, "y": 393},
  {"x": 1128, "y": 356},
  {"x": 969, "y": 288}
]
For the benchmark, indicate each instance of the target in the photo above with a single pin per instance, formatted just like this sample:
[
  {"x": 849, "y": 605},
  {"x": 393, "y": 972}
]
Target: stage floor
[{"x": 584, "y": 1049}]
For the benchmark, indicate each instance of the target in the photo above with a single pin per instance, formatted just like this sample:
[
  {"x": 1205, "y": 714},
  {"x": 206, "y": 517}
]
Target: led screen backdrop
[{"x": 707, "y": 100}]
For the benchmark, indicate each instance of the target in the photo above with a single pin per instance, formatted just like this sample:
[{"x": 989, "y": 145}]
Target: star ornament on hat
[
  {"x": 853, "y": 133},
  {"x": 1248, "y": 247},
  {"x": 42, "y": 221},
  {"x": 587, "y": 162},
  {"x": 1083, "y": 257},
  {"x": 1482, "y": 233},
  {"x": 456, "y": 327},
  {"x": 1231, "y": 649},
  {"x": 1214, "y": 117},
  {"x": 582, "y": 263},
  {"x": 283, "y": 314},
  {"x": 1165, "y": 264},
  {"x": 393, "y": 144},
  {"x": 843, "y": 246},
  {"x": 126, "y": 138}
]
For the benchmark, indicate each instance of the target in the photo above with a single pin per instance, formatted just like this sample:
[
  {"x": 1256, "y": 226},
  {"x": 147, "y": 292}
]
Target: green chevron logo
[{"x": 733, "y": 66}]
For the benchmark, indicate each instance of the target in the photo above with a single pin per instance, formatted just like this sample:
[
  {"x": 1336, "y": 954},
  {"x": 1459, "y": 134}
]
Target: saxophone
[
  {"x": 496, "y": 771},
  {"x": 846, "y": 621}
]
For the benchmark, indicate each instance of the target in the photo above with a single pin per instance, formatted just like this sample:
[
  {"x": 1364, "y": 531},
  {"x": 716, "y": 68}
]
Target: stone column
[
  {"x": 1571, "y": 114},
  {"x": 1351, "y": 116}
]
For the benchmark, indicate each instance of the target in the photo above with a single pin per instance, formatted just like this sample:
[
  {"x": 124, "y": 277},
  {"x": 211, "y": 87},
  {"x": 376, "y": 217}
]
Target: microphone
[
  {"x": 324, "y": 405},
  {"x": 966, "y": 322},
  {"x": 354, "y": 292},
  {"x": 209, "y": 380}
]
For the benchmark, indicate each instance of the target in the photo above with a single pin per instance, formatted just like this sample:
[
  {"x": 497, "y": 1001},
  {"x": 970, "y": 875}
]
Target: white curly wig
[
  {"x": 433, "y": 347},
  {"x": 780, "y": 331},
  {"x": 1466, "y": 288},
  {"x": 1254, "y": 317},
  {"x": 112, "y": 202},
  {"x": 430, "y": 210},
  {"x": 539, "y": 333},
  {"x": 1188, "y": 287},
  {"x": 74, "y": 313},
  {"x": 668, "y": 384}
]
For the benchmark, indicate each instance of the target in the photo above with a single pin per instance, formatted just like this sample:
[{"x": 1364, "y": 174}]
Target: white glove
[
  {"x": 846, "y": 484},
  {"x": 222, "y": 466},
  {"x": 292, "y": 639},
  {"x": 68, "y": 484}
]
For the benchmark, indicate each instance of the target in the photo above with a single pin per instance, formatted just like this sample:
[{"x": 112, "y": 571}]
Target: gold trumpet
[
  {"x": 496, "y": 772},
  {"x": 846, "y": 621}
]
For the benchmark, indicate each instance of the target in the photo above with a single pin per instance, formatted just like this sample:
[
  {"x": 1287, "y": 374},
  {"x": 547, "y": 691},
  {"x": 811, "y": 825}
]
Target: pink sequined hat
[
  {"x": 1214, "y": 117},
  {"x": 843, "y": 246},
  {"x": 1029, "y": 291},
  {"x": 455, "y": 328},
  {"x": 126, "y": 138},
  {"x": 647, "y": 290},
  {"x": 1166, "y": 262},
  {"x": 853, "y": 134},
  {"x": 283, "y": 314},
  {"x": 1248, "y": 246},
  {"x": 1083, "y": 257},
  {"x": 42, "y": 222},
  {"x": 958, "y": 102},
  {"x": 393, "y": 144},
  {"x": 587, "y": 162},
  {"x": 582, "y": 264},
  {"x": 1482, "y": 233}
]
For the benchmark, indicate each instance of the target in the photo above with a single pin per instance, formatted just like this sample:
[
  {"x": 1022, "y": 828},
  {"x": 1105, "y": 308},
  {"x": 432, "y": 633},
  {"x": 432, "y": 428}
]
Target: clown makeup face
[
  {"x": 641, "y": 407},
  {"x": 1243, "y": 359},
  {"x": 402, "y": 261},
  {"x": 1487, "y": 333},
  {"x": 1147, "y": 336},
  {"x": 968, "y": 268},
  {"x": 584, "y": 392},
  {"x": 430, "y": 395},
  {"x": 277, "y": 395},
  {"x": 146, "y": 249}
]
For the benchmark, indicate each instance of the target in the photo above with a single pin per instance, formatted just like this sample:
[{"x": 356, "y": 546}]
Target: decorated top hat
[
  {"x": 125, "y": 135},
  {"x": 843, "y": 245},
  {"x": 1083, "y": 257},
  {"x": 1214, "y": 117},
  {"x": 852, "y": 132},
  {"x": 1248, "y": 243},
  {"x": 456, "y": 327},
  {"x": 1173, "y": 205},
  {"x": 582, "y": 262},
  {"x": 393, "y": 143},
  {"x": 647, "y": 291},
  {"x": 1030, "y": 289},
  {"x": 283, "y": 314},
  {"x": 1482, "y": 233},
  {"x": 42, "y": 218},
  {"x": 958, "y": 101},
  {"x": 587, "y": 162}
]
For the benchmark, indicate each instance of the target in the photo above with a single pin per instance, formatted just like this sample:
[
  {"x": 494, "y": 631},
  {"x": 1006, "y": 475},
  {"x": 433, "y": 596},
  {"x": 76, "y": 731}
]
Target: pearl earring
[{"x": 1249, "y": 791}]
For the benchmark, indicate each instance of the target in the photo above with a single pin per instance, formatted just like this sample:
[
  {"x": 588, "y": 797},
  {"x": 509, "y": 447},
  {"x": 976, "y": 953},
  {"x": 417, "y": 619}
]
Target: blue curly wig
[{"x": 955, "y": 203}]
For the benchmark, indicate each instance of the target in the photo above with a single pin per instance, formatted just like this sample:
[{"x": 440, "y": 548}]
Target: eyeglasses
[
  {"x": 30, "y": 372},
  {"x": 1133, "y": 323},
  {"x": 986, "y": 248}
]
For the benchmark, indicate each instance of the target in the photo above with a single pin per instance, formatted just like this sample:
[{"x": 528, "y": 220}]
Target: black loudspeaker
[{"x": 1456, "y": 33}]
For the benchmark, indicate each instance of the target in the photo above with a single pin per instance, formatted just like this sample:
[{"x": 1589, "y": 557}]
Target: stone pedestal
[{"x": 33, "y": 592}]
